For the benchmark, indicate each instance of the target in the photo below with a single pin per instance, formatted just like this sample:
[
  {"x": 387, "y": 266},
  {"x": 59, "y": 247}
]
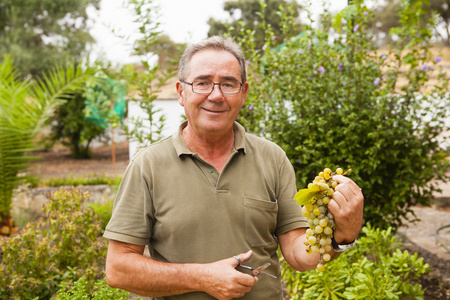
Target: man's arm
[
  {"x": 127, "y": 268},
  {"x": 347, "y": 206}
]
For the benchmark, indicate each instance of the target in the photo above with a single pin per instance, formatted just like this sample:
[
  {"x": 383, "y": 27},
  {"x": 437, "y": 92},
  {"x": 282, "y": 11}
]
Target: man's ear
[
  {"x": 244, "y": 93},
  {"x": 180, "y": 93}
]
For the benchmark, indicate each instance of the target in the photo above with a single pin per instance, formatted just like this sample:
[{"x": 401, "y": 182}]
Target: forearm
[{"x": 146, "y": 277}]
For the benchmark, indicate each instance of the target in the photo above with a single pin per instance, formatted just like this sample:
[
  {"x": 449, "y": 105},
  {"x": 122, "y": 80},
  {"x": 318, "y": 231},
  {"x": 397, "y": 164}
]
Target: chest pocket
[{"x": 260, "y": 221}]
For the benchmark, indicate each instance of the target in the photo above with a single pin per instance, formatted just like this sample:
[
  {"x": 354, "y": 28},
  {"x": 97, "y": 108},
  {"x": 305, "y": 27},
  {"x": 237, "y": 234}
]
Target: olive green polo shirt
[{"x": 186, "y": 212}]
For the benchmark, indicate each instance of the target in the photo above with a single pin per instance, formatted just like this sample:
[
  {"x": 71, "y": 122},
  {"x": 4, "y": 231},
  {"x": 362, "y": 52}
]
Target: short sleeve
[
  {"x": 132, "y": 216},
  {"x": 289, "y": 212}
]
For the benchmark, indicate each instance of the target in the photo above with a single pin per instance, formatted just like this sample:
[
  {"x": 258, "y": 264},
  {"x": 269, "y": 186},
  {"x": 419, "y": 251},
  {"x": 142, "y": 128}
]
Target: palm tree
[{"x": 25, "y": 104}]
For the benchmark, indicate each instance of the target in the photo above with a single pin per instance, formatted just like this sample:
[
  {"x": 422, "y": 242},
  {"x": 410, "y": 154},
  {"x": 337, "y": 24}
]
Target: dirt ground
[{"x": 418, "y": 237}]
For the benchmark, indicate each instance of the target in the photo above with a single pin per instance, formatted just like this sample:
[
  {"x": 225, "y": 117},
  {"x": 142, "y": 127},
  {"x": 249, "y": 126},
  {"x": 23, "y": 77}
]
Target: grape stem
[{"x": 346, "y": 172}]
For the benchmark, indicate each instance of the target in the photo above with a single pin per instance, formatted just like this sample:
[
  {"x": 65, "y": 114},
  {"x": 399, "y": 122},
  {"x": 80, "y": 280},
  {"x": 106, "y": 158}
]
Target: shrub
[
  {"x": 62, "y": 246},
  {"x": 104, "y": 210},
  {"x": 80, "y": 290},
  {"x": 70, "y": 126},
  {"x": 374, "y": 269},
  {"x": 330, "y": 98}
]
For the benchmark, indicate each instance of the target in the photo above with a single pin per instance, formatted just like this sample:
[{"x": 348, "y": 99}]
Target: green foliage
[
  {"x": 330, "y": 97},
  {"x": 41, "y": 33},
  {"x": 248, "y": 15},
  {"x": 24, "y": 107},
  {"x": 145, "y": 85},
  {"x": 168, "y": 52},
  {"x": 70, "y": 127},
  {"x": 84, "y": 180},
  {"x": 61, "y": 246},
  {"x": 80, "y": 290},
  {"x": 104, "y": 210},
  {"x": 374, "y": 269},
  {"x": 387, "y": 16}
]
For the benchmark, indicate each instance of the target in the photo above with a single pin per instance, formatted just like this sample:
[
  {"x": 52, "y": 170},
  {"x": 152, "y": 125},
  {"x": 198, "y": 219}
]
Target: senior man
[{"x": 212, "y": 196}]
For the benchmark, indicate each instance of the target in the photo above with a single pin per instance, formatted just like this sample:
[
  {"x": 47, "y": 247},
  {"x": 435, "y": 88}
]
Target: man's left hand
[{"x": 347, "y": 205}]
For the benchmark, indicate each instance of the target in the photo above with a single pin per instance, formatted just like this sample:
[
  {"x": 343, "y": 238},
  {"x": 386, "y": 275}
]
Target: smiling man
[{"x": 212, "y": 197}]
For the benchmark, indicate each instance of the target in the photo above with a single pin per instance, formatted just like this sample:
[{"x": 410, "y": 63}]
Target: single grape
[
  {"x": 312, "y": 240},
  {"x": 320, "y": 267},
  {"x": 318, "y": 229},
  {"x": 327, "y": 230}
]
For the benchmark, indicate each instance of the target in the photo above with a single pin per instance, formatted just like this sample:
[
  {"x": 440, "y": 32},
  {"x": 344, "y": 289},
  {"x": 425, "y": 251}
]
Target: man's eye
[
  {"x": 202, "y": 83},
  {"x": 229, "y": 84}
]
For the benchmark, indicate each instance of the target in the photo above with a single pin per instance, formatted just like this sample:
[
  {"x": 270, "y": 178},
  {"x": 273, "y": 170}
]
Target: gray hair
[{"x": 212, "y": 43}]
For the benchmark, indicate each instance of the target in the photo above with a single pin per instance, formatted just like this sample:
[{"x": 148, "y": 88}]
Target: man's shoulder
[
  {"x": 262, "y": 143},
  {"x": 159, "y": 149}
]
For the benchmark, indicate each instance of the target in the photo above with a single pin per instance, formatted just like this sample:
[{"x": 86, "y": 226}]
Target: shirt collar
[{"x": 181, "y": 147}]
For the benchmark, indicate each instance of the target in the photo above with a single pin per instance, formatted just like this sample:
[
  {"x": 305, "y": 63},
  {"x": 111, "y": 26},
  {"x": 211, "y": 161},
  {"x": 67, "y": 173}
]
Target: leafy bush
[
  {"x": 80, "y": 290},
  {"x": 374, "y": 269},
  {"x": 104, "y": 210},
  {"x": 64, "y": 245},
  {"x": 70, "y": 126},
  {"x": 329, "y": 97}
]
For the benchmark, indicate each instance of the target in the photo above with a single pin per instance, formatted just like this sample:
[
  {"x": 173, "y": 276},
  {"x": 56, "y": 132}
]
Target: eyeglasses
[{"x": 227, "y": 87}]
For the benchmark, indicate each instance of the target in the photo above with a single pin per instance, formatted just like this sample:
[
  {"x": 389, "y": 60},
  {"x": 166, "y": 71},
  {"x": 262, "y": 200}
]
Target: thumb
[{"x": 242, "y": 257}]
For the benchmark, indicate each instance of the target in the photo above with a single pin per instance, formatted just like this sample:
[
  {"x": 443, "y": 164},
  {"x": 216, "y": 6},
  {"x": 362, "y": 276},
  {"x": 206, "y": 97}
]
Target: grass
[{"x": 74, "y": 181}]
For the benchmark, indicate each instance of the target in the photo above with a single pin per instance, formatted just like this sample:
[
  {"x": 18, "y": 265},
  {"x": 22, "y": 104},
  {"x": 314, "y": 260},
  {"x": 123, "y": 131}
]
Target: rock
[{"x": 5, "y": 230}]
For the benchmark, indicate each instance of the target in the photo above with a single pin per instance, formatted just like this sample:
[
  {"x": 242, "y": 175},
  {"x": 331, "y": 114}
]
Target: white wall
[{"x": 170, "y": 108}]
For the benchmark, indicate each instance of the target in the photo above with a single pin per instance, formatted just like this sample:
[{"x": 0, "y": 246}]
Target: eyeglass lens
[{"x": 206, "y": 86}]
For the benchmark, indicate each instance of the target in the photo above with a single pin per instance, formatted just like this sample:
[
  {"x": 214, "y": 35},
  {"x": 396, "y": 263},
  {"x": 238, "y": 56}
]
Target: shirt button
[{"x": 210, "y": 170}]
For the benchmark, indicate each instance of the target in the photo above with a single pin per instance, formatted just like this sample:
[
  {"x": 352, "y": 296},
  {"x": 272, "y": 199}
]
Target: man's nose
[{"x": 216, "y": 93}]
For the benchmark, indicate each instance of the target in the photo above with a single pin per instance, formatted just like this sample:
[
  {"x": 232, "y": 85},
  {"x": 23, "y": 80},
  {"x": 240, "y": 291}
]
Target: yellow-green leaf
[{"x": 304, "y": 195}]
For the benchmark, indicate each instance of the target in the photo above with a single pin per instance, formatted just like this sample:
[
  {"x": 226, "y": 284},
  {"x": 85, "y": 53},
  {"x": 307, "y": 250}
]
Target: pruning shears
[{"x": 255, "y": 271}]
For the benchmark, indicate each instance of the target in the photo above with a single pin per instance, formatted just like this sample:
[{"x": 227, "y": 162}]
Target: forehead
[{"x": 212, "y": 63}]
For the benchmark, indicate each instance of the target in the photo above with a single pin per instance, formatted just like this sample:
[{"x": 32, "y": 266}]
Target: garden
[{"x": 328, "y": 94}]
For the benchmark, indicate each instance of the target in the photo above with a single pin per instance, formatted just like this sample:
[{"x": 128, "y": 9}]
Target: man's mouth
[{"x": 212, "y": 111}]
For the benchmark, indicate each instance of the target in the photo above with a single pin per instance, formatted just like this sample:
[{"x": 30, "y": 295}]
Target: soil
[{"x": 417, "y": 237}]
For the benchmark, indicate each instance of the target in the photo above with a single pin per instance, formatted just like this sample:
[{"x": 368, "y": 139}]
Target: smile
[{"x": 213, "y": 111}]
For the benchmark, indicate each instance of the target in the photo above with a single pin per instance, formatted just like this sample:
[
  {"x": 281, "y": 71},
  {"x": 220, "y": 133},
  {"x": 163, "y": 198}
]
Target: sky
[{"x": 183, "y": 20}]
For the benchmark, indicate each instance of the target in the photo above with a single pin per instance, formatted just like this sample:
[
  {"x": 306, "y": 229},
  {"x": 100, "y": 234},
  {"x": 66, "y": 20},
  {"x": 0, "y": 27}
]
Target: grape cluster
[{"x": 320, "y": 220}]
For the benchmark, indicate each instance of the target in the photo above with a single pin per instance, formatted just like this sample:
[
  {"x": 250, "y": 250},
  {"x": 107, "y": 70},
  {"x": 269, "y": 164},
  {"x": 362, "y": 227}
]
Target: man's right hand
[{"x": 225, "y": 282}]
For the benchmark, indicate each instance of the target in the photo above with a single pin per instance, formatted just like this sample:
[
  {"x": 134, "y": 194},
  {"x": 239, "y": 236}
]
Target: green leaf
[{"x": 304, "y": 195}]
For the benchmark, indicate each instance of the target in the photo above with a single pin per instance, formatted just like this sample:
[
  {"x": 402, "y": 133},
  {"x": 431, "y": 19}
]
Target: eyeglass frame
[{"x": 214, "y": 85}]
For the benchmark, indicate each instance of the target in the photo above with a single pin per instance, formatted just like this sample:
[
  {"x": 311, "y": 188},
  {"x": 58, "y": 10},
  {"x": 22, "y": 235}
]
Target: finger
[
  {"x": 242, "y": 257},
  {"x": 247, "y": 255},
  {"x": 336, "y": 204},
  {"x": 345, "y": 182},
  {"x": 248, "y": 281}
]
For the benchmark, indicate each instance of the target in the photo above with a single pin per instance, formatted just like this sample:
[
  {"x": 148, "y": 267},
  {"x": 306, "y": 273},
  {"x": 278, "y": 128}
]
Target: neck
[{"x": 213, "y": 148}]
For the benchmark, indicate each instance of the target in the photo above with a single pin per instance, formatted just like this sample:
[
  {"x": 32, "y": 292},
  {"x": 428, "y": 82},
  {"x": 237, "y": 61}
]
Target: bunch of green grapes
[{"x": 315, "y": 201}]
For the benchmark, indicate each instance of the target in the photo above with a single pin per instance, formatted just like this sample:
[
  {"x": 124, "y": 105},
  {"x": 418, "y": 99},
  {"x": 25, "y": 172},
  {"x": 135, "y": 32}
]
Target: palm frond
[
  {"x": 24, "y": 107},
  {"x": 58, "y": 85}
]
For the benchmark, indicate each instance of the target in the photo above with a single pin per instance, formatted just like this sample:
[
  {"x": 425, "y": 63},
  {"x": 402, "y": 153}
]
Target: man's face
[{"x": 214, "y": 112}]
